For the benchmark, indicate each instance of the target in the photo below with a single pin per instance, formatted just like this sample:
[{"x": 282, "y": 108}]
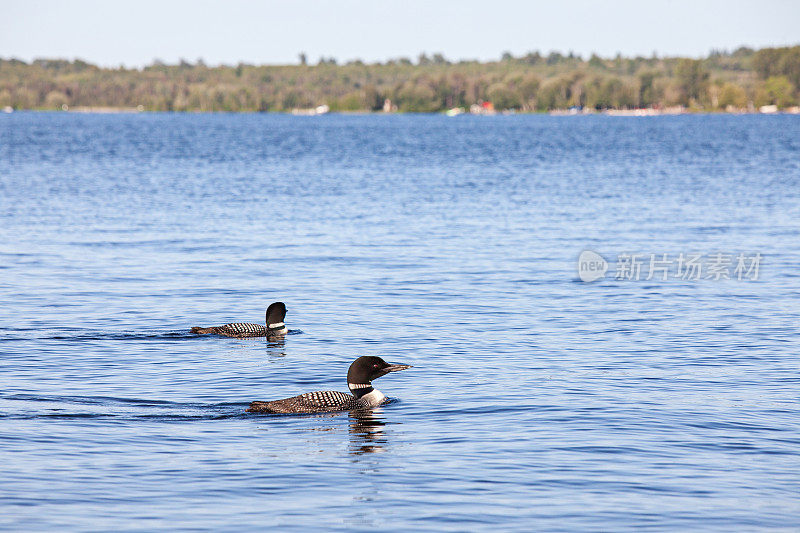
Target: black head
[
  {"x": 276, "y": 313},
  {"x": 368, "y": 367}
]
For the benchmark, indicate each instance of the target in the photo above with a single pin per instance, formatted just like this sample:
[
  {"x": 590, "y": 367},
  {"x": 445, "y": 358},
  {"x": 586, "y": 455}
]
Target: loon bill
[
  {"x": 275, "y": 327},
  {"x": 359, "y": 381}
]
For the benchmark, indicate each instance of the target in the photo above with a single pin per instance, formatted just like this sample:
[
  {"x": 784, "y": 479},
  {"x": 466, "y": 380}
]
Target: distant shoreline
[
  {"x": 744, "y": 80},
  {"x": 794, "y": 110}
]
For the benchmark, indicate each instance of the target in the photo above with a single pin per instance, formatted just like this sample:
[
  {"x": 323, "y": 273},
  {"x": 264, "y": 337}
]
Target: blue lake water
[{"x": 536, "y": 401}]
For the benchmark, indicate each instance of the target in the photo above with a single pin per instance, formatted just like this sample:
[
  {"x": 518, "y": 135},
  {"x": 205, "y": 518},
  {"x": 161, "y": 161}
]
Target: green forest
[{"x": 738, "y": 80}]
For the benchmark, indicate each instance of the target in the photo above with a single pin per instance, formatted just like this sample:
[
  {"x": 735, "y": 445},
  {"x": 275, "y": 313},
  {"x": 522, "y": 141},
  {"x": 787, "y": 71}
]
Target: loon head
[
  {"x": 365, "y": 369},
  {"x": 276, "y": 312}
]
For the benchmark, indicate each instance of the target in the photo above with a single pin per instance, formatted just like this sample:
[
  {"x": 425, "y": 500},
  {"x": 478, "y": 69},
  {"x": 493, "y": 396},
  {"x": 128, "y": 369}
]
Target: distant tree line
[{"x": 532, "y": 82}]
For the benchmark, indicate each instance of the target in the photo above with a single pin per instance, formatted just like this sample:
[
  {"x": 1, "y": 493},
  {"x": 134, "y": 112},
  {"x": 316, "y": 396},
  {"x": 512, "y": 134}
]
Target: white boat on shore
[{"x": 311, "y": 112}]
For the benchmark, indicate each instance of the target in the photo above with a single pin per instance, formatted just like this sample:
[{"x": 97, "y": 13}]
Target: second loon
[
  {"x": 359, "y": 381},
  {"x": 275, "y": 327}
]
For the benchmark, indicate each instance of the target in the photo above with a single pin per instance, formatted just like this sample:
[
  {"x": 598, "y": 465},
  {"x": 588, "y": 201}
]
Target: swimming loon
[
  {"x": 275, "y": 327},
  {"x": 359, "y": 381}
]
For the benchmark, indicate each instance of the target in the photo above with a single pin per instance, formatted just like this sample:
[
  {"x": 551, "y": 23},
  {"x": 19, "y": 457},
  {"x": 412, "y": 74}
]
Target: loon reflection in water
[{"x": 367, "y": 432}]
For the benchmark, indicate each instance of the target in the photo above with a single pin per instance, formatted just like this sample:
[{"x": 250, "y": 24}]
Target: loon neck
[
  {"x": 276, "y": 326},
  {"x": 360, "y": 389}
]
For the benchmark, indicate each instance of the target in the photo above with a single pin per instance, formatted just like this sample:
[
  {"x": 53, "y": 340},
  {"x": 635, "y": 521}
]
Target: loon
[
  {"x": 359, "y": 381},
  {"x": 275, "y": 327}
]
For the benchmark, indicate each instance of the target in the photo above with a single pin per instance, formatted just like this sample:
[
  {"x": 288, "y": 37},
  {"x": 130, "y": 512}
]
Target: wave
[
  {"x": 116, "y": 335},
  {"x": 115, "y": 408}
]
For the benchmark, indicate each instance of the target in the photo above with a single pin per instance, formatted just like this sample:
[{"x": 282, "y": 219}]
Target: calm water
[{"x": 537, "y": 401}]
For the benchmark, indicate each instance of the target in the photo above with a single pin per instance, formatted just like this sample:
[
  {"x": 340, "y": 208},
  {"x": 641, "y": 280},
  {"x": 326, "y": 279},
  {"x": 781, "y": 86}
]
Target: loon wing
[
  {"x": 236, "y": 329},
  {"x": 243, "y": 329},
  {"x": 310, "y": 402}
]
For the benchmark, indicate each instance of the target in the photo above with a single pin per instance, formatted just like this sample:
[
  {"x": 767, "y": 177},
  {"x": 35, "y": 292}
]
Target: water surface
[{"x": 537, "y": 401}]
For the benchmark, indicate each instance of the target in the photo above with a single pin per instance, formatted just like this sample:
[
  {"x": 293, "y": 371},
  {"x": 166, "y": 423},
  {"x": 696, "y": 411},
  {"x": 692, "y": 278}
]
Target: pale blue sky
[{"x": 134, "y": 33}]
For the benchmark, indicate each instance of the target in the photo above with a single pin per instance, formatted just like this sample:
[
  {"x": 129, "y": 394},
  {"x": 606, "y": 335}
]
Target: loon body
[
  {"x": 359, "y": 381},
  {"x": 274, "y": 327}
]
